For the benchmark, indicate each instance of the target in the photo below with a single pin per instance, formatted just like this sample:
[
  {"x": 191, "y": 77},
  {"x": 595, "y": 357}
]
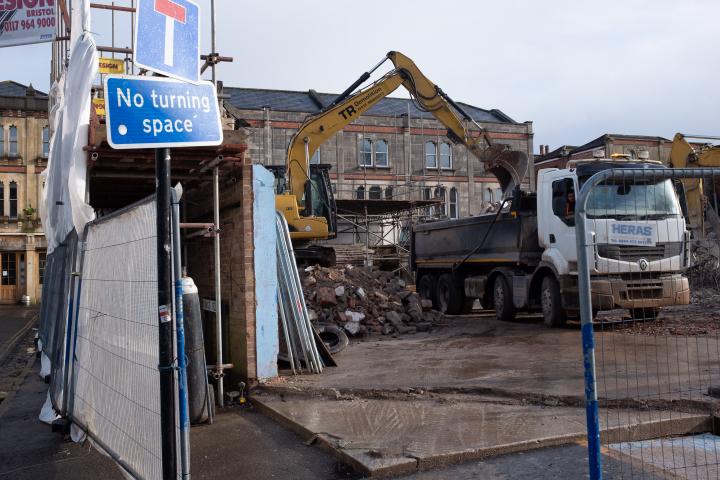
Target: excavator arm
[
  {"x": 508, "y": 166},
  {"x": 684, "y": 155}
]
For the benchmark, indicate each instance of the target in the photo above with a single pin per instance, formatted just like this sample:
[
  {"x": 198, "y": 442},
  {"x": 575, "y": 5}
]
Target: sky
[{"x": 576, "y": 69}]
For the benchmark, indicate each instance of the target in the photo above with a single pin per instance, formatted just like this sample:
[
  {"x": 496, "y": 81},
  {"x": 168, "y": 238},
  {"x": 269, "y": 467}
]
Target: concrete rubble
[{"x": 365, "y": 301}]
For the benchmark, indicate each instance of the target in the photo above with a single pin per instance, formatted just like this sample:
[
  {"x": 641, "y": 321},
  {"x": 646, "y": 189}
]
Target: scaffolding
[{"x": 118, "y": 18}]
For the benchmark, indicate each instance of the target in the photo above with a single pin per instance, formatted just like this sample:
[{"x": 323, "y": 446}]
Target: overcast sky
[{"x": 576, "y": 69}]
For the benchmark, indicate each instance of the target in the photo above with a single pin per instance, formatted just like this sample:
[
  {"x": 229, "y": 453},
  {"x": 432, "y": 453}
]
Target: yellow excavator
[
  {"x": 700, "y": 195},
  {"x": 304, "y": 193}
]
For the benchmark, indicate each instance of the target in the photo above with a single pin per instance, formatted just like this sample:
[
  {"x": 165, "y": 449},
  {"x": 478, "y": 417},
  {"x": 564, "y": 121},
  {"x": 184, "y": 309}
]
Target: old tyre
[
  {"x": 333, "y": 337},
  {"x": 450, "y": 297},
  {"x": 644, "y": 313},
  {"x": 553, "y": 313},
  {"x": 502, "y": 299},
  {"x": 426, "y": 288}
]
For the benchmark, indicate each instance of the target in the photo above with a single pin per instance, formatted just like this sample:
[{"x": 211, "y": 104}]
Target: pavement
[{"x": 13, "y": 320}]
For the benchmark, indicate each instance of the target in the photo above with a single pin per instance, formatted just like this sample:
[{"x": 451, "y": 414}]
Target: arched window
[
  {"x": 13, "y": 199},
  {"x": 366, "y": 153},
  {"x": 389, "y": 193},
  {"x": 13, "y": 144},
  {"x": 381, "y": 154},
  {"x": 45, "y": 142},
  {"x": 430, "y": 155},
  {"x": 315, "y": 159},
  {"x": 453, "y": 205},
  {"x": 360, "y": 193},
  {"x": 446, "y": 155},
  {"x": 487, "y": 195},
  {"x": 375, "y": 193},
  {"x": 441, "y": 194},
  {"x": 427, "y": 193}
]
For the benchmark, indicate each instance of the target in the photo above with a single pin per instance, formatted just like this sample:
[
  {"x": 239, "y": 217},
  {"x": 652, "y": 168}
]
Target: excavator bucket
[{"x": 509, "y": 166}]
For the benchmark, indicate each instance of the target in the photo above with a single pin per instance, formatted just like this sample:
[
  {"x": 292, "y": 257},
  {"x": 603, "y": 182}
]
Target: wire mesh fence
[
  {"x": 116, "y": 396},
  {"x": 55, "y": 313},
  {"x": 650, "y": 316}
]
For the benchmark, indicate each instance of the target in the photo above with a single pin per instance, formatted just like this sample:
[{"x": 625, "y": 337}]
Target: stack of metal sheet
[{"x": 302, "y": 352}]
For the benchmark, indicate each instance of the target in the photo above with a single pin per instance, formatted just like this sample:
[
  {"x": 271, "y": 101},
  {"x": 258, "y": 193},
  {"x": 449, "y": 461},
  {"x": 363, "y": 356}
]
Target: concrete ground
[{"x": 478, "y": 388}]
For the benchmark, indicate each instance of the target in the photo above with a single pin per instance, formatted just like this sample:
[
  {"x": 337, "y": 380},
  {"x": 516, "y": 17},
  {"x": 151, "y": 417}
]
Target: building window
[
  {"x": 375, "y": 193},
  {"x": 389, "y": 193},
  {"x": 9, "y": 268},
  {"x": 46, "y": 142},
  {"x": 13, "y": 199},
  {"x": 360, "y": 193},
  {"x": 440, "y": 193},
  {"x": 498, "y": 195},
  {"x": 366, "y": 153},
  {"x": 446, "y": 160},
  {"x": 487, "y": 195},
  {"x": 381, "y": 153},
  {"x": 453, "y": 203},
  {"x": 427, "y": 193},
  {"x": 2, "y": 199},
  {"x": 42, "y": 260},
  {"x": 430, "y": 155},
  {"x": 13, "y": 141},
  {"x": 2, "y": 140}
]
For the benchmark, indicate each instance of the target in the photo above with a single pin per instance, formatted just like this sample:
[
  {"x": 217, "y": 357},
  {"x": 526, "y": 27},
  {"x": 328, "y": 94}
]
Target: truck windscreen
[{"x": 623, "y": 200}]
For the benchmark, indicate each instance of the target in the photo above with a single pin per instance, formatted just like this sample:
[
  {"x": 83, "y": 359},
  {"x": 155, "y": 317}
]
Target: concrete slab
[
  {"x": 480, "y": 354},
  {"x": 688, "y": 457},
  {"x": 383, "y": 438}
]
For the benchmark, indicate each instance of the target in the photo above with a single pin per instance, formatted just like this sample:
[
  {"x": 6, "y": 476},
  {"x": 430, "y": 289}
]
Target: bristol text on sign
[{"x": 161, "y": 112}]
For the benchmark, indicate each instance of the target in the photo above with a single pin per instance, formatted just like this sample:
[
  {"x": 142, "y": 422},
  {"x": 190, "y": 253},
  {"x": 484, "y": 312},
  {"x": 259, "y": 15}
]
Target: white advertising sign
[
  {"x": 628, "y": 233},
  {"x": 27, "y": 21}
]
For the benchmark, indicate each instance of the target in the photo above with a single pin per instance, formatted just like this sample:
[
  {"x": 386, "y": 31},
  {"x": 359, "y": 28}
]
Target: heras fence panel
[
  {"x": 116, "y": 393},
  {"x": 649, "y": 302},
  {"x": 55, "y": 311}
]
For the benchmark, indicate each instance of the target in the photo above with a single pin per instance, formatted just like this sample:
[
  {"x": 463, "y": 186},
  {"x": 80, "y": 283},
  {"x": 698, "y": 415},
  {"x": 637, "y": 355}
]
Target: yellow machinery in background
[
  {"x": 304, "y": 194},
  {"x": 700, "y": 196}
]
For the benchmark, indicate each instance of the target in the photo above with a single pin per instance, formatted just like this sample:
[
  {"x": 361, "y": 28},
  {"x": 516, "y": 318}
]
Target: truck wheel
[
  {"x": 450, "y": 297},
  {"x": 650, "y": 313},
  {"x": 502, "y": 299},
  {"x": 553, "y": 313},
  {"x": 426, "y": 288}
]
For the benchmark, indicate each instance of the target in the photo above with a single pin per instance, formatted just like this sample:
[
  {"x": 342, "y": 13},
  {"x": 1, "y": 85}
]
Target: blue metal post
[{"x": 184, "y": 418}]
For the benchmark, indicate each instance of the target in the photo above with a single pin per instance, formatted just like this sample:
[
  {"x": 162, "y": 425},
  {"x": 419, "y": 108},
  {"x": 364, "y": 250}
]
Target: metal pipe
[
  {"x": 218, "y": 296},
  {"x": 166, "y": 347},
  {"x": 113, "y": 7},
  {"x": 183, "y": 415},
  {"x": 196, "y": 225},
  {"x": 212, "y": 39}
]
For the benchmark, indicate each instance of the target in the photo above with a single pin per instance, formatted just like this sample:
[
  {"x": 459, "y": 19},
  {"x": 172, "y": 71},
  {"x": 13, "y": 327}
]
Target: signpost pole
[{"x": 164, "y": 280}]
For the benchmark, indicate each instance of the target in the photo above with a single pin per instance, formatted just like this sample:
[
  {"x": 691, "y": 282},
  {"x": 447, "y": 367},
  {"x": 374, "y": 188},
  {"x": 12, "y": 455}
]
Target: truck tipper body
[{"x": 524, "y": 257}]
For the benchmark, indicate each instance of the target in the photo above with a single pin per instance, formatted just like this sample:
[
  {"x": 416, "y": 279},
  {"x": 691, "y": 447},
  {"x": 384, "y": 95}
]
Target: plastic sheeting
[{"x": 63, "y": 203}]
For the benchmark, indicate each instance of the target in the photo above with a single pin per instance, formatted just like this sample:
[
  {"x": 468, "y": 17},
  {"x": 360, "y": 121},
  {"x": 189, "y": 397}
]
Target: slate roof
[
  {"x": 599, "y": 142},
  {"x": 10, "y": 88},
  {"x": 294, "y": 101}
]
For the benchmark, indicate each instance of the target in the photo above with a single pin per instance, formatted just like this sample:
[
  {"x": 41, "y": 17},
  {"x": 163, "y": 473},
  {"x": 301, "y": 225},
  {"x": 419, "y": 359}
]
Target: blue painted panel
[{"x": 266, "y": 284}]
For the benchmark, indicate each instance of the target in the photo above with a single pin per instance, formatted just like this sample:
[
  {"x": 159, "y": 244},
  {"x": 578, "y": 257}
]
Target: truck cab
[{"x": 637, "y": 242}]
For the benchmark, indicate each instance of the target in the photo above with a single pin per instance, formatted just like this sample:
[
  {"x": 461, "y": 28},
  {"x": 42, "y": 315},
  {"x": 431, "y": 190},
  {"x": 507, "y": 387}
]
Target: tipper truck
[{"x": 524, "y": 257}]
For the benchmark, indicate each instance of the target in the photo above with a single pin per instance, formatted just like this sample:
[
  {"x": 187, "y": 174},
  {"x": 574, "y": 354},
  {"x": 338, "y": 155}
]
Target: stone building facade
[
  {"x": 24, "y": 148},
  {"x": 394, "y": 151},
  {"x": 657, "y": 148}
]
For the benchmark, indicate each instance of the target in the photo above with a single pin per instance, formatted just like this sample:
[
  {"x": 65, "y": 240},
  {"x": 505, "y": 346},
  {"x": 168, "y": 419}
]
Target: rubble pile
[{"x": 365, "y": 301}]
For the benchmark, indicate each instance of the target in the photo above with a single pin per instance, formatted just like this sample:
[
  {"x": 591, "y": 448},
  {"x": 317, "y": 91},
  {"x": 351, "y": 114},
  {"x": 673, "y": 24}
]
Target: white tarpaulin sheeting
[{"x": 63, "y": 204}]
